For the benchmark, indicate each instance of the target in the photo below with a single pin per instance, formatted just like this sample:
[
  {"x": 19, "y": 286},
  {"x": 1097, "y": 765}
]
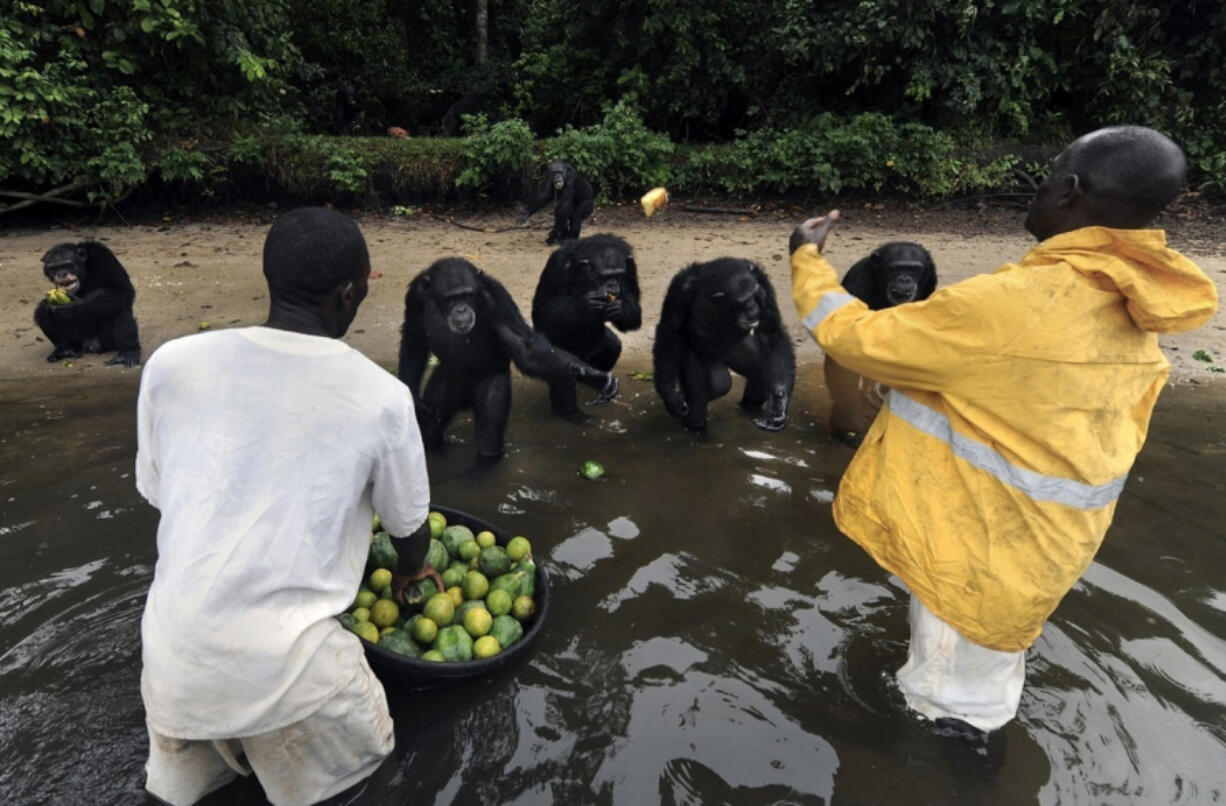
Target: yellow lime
[
  {"x": 457, "y": 595},
  {"x": 437, "y": 524},
  {"x": 498, "y": 602},
  {"x": 375, "y": 523},
  {"x": 485, "y": 539},
  {"x": 469, "y": 549},
  {"x": 384, "y": 613},
  {"x": 380, "y": 580},
  {"x": 440, "y": 609},
  {"x": 361, "y": 613},
  {"x": 523, "y": 607},
  {"x": 475, "y": 585},
  {"x": 518, "y": 548},
  {"x": 425, "y": 630},
  {"x": 433, "y": 655},
  {"x": 367, "y": 631},
  {"x": 486, "y": 647},
  {"x": 477, "y": 622},
  {"x": 366, "y": 598},
  {"x": 386, "y": 630},
  {"x": 472, "y": 564}
]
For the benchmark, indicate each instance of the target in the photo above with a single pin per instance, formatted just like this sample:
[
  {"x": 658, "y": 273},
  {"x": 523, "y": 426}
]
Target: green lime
[
  {"x": 457, "y": 595},
  {"x": 440, "y": 609},
  {"x": 386, "y": 630},
  {"x": 367, "y": 631},
  {"x": 376, "y": 524},
  {"x": 498, "y": 602},
  {"x": 453, "y": 576},
  {"x": 486, "y": 647},
  {"x": 591, "y": 470},
  {"x": 433, "y": 655},
  {"x": 361, "y": 613},
  {"x": 469, "y": 549},
  {"x": 523, "y": 607},
  {"x": 437, "y": 524},
  {"x": 518, "y": 548},
  {"x": 366, "y": 598},
  {"x": 477, "y": 622},
  {"x": 485, "y": 539},
  {"x": 425, "y": 630},
  {"x": 475, "y": 585},
  {"x": 380, "y": 579},
  {"x": 384, "y": 613}
]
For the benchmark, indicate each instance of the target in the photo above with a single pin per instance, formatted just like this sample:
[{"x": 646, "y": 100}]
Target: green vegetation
[{"x": 927, "y": 98}]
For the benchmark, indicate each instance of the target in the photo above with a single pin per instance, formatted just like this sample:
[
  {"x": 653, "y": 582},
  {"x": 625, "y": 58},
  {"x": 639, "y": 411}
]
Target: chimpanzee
[
  {"x": 574, "y": 201},
  {"x": 345, "y": 109},
  {"x": 473, "y": 103},
  {"x": 469, "y": 321},
  {"x": 585, "y": 284},
  {"x": 895, "y": 273},
  {"x": 98, "y": 316},
  {"x": 718, "y": 316}
]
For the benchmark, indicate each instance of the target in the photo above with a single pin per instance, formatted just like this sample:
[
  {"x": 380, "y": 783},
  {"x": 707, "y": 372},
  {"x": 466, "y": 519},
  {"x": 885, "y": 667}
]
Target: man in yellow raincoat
[{"x": 1018, "y": 401}]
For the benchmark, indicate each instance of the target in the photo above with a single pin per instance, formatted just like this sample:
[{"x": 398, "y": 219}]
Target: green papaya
[
  {"x": 507, "y": 630},
  {"x": 511, "y": 582},
  {"x": 453, "y": 536},
  {"x": 437, "y": 556},
  {"x": 347, "y": 620},
  {"x": 401, "y": 643},
  {"x": 528, "y": 568},
  {"x": 416, "y": 594},
  {"x": 382, "y": 553},
  {"x": 493, "y": 561},
  {"x": 455, "y": 643}
]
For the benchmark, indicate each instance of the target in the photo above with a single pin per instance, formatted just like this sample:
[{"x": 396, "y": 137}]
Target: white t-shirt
[{"x": 267, "y": 453}]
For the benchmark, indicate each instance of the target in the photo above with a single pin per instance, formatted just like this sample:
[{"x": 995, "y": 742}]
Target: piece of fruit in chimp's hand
[
  {"x": 58, "y": 296},
  {"x": 591, "y": 470}
]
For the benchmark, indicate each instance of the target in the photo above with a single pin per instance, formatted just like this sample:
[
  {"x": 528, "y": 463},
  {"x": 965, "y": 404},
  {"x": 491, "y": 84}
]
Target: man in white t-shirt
[{"x": 266, "y": 450}]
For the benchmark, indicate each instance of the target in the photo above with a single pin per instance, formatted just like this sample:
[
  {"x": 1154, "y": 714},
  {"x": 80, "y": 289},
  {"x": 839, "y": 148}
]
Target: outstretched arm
[
  {"x": 778, "y": 357},
  {"x": 545, "y": 196}
]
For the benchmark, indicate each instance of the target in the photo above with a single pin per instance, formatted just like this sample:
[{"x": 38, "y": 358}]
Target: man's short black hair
[
  {"x": 310, "y": 252},
  {"x": 1126, "y": 172}
]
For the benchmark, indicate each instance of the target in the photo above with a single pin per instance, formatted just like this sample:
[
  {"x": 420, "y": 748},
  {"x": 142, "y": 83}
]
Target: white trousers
[
  {"x": 947, "y": 676},
  {"x": 331, "y": 750}
]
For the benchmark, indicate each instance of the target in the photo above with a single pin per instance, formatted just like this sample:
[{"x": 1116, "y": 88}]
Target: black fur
[
  {"x": 718, "y": 316},
  {"x": 573, "y": 201},
  {"x": 345, "y": 109},
  {"x": 585, "y": 284},
  {"x": 903, "y": 265},
  {"x": 471, "y": 324},
  {"x": 99, "y": 317}
]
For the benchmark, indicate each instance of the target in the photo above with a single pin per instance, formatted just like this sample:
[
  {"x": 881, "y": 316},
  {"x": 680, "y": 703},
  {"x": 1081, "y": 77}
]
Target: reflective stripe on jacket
[{"x": 1019, "y": 401}]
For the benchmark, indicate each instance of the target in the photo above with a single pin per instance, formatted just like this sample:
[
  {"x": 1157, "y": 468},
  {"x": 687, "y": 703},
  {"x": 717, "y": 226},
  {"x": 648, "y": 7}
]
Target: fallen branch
[
  {"x": 689, "y": 208},
  {"x": 51, "y": 196},
  {"x": 458, "y": 224}
]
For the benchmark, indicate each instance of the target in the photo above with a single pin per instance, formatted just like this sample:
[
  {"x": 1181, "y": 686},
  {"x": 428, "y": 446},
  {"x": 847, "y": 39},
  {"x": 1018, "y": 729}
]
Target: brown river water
[{"x": 712, "y": 638}]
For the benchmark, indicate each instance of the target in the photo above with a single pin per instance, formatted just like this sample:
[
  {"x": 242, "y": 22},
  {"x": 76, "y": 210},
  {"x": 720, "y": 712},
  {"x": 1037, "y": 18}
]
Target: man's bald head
[{"x": 1120, "y": 176}]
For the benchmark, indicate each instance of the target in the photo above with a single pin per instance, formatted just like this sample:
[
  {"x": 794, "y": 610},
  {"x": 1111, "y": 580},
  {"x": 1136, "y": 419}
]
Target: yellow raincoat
[{"x": 1018, "y": 402}]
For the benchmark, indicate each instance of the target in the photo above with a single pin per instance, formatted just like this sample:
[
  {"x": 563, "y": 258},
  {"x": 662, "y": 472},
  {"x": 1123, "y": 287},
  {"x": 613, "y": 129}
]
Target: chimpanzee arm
[
  {"x": 631, "y": 317},
  {"x": 859, "y": 281},
  {"x": 414, "y": 345},
  {"x": 778, "y": 358},
  {"x": 96, "y": 305},
  {"x": 546, "y": 196},
  {"x": 531, "y": 352},
  {"x": 669, "y": 348}
]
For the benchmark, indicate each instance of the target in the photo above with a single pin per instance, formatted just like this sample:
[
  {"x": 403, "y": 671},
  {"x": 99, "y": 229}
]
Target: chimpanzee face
[
  {"x": 606, "y": 272},
  {"x": 899, "y": 271},
  {"x": 557, "y": 175},
  {"x": 455, "y": 295},
  {"x": 740, "y": 303},
  {"x": 65, "y": 266}
]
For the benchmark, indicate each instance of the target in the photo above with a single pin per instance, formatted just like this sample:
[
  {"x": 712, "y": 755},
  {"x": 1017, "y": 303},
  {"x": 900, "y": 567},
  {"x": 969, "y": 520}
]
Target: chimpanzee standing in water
[
  {"x": 98, "y": 316},
  {"x": 718, "y": 316},
  {"x": 893, "y": 274},
  {"x": 574, "y": 201},
  {"x": 586, "y": 283},
  {"x": 469, "y": 321}
]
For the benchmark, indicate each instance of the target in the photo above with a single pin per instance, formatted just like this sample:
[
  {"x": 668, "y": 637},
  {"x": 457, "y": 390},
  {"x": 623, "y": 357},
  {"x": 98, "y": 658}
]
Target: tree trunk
[{"x": 483, "y": 32}]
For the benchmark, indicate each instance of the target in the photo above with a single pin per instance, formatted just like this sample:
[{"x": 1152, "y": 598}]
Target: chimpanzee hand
[
  {"x": 813, "y": 231},
  {"x": 63, "y": 352},
  {"x": 608, "y": 392},
  {"x": 604, "y": 304},
  {"x": 776, "y": 416},
  {"x": 674, "y": 403},
  {"x": 129, "y": 358}
]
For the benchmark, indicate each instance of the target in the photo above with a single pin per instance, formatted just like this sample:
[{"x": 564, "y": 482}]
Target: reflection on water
[{"x": 713, "y": 640}]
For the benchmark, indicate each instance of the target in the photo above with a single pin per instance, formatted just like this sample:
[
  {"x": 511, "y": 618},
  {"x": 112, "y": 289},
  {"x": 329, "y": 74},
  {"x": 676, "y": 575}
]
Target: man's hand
[
  {"x": 813, "y": 231},
  {"x": 401, "y": 581}
]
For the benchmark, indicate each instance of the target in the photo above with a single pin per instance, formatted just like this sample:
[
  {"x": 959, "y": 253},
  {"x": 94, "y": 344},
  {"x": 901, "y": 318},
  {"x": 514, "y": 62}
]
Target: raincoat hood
[{"x": 1166, "y": 292}]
